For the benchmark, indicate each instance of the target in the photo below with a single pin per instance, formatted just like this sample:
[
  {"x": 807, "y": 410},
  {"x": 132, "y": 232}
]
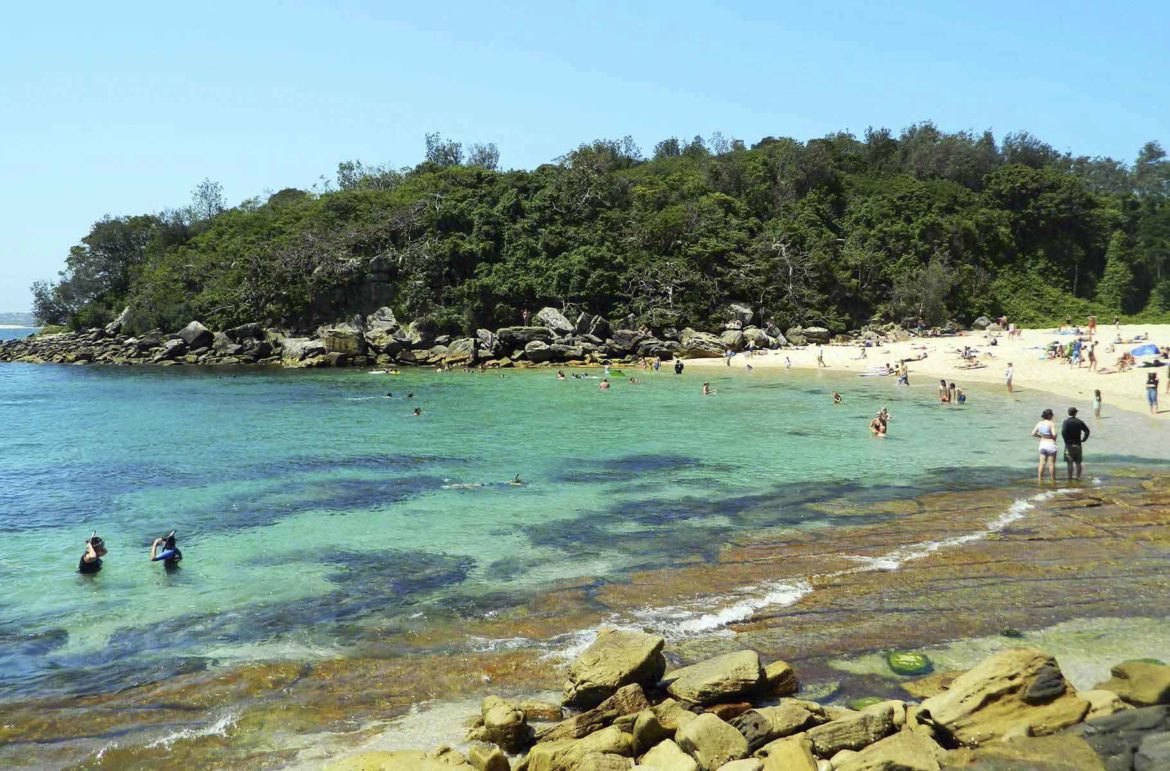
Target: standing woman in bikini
[{"x": 1045, "y": 431}]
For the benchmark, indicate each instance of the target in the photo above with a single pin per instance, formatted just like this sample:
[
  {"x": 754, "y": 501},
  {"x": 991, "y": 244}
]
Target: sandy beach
[{"x": 1033, "y": 371}]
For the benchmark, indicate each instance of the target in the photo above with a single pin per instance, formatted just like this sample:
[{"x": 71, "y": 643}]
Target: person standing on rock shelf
[
  {"x": 170, "y": 556},
  {"x": 91, "y": 561},
  {"x": 1045, "y": 431},
  {"x": 1075, "y": 433}
]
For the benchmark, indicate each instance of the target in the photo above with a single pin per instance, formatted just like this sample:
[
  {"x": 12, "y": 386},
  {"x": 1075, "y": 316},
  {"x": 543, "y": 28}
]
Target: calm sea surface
[{"x": 313, "y": 509}]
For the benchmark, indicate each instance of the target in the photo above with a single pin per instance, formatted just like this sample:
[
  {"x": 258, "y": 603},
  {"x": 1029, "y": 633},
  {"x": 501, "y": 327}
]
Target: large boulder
[
  {"x": 711, "y": 742},
  {"x": 699, "y": 345},
  {"x": 569, "y": 753},
  {"x": 382, "y": 320},
  {"x": 486, "y": 757},
  {"x": 1013, "y": 690},
  {"x": 421, "y": 333},
  {"x": 628, "y": 700},
  {"x": 981, "y": 323},
  {"x": 668, "y": 756},
  {"x": 818, "y": 335},
  {"x": 757, "y": 336},
  {"x": 616, "y": 658},
  {"x": 589, "y": 324},
  {"x": 722, "y": 678},
  {"x": 1141, "y": 683},
  {"x": 511, "y": 338},
  {"x": 343, "y": 337},
  {"x": 741, "y": 312},
  {"x": 195, "y": 335},
  {"x": 903, "y": 751},
  {"x": 1118, "y": 738},
  {"x": 505, "y": 725},
  {"x": 852, "y": 732},
  {"x": 244, "y": 332},
  {"x": 793, "y": 754},
  {"x": 795, "y": 336},
  {"x": 624, "y": 341},
  {"x": 1059, "y": 752},
  {"x": 296, "y": 349},
  {"x": 567, "y": 352},
  {"x": 538, "y": 351},
  {"x": 462, "y": 351},
  {"x": 733, "y": 340},
  {"x": 171, "y": 350},
  {"x": 555, "y": 321},
  {"x": 766, "y": 724}
]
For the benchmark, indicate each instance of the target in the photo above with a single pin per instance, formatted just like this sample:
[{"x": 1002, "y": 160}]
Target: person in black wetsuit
[
  {"x": 91, "y": 561},
  {"x": 170, "y": 556},
  {"x": 678, "y": 366},
  {"x": 1074, "y": 432}
]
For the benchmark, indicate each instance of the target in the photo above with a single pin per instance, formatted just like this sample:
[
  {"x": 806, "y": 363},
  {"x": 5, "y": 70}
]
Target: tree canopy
[{"x": 839, "y": 231}]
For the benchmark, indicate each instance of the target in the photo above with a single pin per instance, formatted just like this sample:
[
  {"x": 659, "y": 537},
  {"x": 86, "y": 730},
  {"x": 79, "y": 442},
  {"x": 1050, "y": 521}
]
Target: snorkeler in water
[
  {"x": 170, "y": 556},
  {"x": 91, "y": 561}
]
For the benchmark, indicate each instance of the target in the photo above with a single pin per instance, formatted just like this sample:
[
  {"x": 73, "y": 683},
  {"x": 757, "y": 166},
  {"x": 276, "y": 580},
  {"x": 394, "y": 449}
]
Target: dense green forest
[{"x": 839, "y": 232}]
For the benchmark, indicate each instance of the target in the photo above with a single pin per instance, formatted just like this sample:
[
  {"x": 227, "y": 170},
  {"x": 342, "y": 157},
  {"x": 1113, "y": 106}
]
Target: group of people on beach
[{"x": 164, "y": 549}]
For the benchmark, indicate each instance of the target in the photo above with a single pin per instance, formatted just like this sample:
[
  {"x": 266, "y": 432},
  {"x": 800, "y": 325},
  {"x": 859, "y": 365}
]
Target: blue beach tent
[{"x": 1149, "y": 349}]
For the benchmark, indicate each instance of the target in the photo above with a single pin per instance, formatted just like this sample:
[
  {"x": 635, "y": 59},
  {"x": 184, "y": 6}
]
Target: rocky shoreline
[
  {"x": 733, "y": 713},
  {"x": 379, "y": 339}
]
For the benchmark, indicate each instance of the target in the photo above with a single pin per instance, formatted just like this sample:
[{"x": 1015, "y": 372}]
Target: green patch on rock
[
  {"x": 908, "y": 663},
  {"x": 863, "y": 702}
]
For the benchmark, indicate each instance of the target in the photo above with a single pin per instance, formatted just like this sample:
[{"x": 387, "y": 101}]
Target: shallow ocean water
[{"x": 315, "y": 512}]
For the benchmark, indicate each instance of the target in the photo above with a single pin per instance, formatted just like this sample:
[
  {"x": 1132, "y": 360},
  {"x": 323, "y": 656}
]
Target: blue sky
[{"x": 123, "y": 107}]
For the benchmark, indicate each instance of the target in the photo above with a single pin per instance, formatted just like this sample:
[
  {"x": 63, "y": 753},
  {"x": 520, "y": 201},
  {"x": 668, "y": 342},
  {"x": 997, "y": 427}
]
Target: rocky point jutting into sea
[{"x": 380, "y": 339}]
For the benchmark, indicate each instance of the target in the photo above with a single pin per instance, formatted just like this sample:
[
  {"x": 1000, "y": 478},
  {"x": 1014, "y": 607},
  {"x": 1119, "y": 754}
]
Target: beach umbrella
[{"x": 1149, "y": 349}]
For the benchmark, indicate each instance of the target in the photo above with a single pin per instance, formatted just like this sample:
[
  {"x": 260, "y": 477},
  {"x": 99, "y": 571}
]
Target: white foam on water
[
  {"x": 687, "y": 621},
  {"x": 895, "y": 559},
  {"x": 490, "y": 645},
  {"x": 696, "y": 618},
  {"x": 219, "y": 728}
]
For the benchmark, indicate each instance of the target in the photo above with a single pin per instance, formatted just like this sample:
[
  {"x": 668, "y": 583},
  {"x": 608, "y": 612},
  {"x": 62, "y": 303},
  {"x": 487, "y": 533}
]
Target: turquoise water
[{"x": 316, "y": 514}]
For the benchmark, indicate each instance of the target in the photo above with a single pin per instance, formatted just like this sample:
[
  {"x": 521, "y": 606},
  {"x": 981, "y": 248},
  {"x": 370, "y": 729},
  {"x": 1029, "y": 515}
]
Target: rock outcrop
[{"x": 616, "y": 658}]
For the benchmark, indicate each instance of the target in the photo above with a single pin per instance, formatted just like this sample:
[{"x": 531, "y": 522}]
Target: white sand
[{"x": 1033, "y": 372}]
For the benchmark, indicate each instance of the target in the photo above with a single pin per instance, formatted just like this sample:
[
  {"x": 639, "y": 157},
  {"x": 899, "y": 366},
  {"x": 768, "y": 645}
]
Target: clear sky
[{"x": 123, "y": 107}]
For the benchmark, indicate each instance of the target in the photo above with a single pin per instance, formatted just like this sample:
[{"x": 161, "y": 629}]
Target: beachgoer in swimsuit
[
  {"x": 707, "y": 389},
  {"x": 836, "y": 398},
  {"x": 1097, "y": 404},
  {"x": 604, "y": 385},
  {"x": 1152, "y": 392},
  {"x": 1007, "y": 376},
  {"x": 1045, "y": 431}
]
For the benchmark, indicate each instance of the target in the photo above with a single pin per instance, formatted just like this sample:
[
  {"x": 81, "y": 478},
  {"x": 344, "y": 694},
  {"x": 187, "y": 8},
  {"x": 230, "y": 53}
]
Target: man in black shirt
[{"x": 1074, "y": 432}]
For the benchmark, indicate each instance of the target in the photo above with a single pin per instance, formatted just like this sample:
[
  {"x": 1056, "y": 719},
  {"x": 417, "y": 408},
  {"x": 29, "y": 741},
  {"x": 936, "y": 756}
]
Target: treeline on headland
[{"x": 834, "y": 232}]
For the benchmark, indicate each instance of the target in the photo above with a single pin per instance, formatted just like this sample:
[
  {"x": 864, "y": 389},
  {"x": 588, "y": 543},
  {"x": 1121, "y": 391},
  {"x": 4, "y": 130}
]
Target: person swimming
[
  {"x": 417, "y": 412},
  {"x": 877, "y": 426},
  {"x": 678, "y": 366},
  {"x": 707, "y": 389},
  {"x": 91, "y": 561},
  {"x": 604, "y": 384},
  {"x": 516, "y": 481},
  {"x": 836, "y": 398},
  {"x": 560, "y": 374},
  {"x": 170, "y": 556}
]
